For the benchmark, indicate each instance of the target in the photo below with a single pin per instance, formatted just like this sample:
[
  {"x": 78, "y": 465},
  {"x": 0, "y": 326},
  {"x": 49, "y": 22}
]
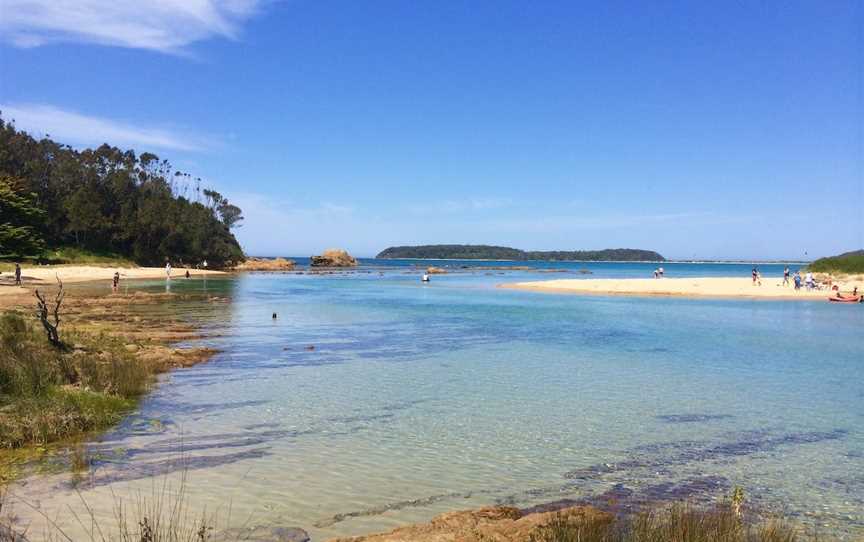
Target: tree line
[{"x": 108, "y": 200}]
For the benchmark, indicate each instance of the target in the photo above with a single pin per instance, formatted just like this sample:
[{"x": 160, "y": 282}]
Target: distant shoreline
[{"x": 659, "y": 262}]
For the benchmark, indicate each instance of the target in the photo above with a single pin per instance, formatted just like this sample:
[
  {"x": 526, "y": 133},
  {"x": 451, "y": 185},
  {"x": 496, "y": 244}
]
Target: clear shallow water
[{"x": 419, "y": 399}]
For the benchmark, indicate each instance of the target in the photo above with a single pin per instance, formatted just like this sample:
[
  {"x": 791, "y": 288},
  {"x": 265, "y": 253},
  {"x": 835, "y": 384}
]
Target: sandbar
[{"x": 733, "y": 287}]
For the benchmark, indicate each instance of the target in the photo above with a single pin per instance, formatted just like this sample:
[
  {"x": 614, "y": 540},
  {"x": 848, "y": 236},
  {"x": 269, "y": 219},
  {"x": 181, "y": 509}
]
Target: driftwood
[{"x": 43, "y": 313}]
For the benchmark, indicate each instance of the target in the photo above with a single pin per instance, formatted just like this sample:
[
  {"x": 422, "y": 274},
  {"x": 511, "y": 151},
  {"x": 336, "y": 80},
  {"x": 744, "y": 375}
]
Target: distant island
[{"x": 487, "y": 252}]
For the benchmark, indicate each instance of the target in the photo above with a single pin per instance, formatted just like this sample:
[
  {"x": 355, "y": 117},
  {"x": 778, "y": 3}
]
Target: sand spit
[{"x": 737, "y": 287}]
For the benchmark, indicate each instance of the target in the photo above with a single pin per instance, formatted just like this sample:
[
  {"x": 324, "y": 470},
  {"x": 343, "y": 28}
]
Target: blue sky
[{"x": 697, "y": 129}]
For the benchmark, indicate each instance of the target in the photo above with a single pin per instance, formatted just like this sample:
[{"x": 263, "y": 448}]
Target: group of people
[
  {"x": 115, "y": 281},
  {"x": 187, "y": 275},
  {"x": 658, "y": 273},
  {"x": 788, "y": 278}
]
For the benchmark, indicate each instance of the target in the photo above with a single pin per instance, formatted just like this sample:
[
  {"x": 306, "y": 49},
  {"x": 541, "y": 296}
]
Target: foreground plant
[
  {"x": 49, "y": 394},
  {"x": 677, "y": 523}
]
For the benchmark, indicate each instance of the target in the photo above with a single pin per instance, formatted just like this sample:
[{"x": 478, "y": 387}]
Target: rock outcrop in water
[
  {"x": 265, "y": 264},
  {"x": 499, "y": 523},
  {"x": 333, "y": 257},
  {"x": 263, "y": 534}
]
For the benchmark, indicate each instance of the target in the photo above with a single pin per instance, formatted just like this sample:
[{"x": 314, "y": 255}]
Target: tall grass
[
  {"x": 676, "y": 523},
  {"x": 49, "y": 393},
  {"x": 162, "y": 516}
]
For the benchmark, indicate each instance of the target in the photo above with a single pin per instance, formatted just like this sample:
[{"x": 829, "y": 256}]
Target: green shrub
[
  {"x": 849, "y": 263},
  {"x": 58, "y": 414}
]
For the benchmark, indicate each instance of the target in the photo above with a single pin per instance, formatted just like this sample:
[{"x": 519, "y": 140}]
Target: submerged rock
[
  {"x": 435, "y": 271},
  {"x": 498, "y": 523},
  {"x": 262, "y": 534},
  {"x": 334, "y": 257}
]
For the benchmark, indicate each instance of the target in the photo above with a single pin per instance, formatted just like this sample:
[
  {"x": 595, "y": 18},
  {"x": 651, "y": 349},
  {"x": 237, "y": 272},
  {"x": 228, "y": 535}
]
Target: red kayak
[{"x": 845, "y": 299}]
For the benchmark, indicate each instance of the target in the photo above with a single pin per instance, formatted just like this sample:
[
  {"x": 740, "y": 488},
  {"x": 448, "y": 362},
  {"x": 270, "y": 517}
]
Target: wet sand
[{"x": 737, "y": 287}]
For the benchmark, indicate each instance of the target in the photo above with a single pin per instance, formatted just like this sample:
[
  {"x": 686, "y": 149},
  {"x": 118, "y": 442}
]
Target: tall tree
[
  {"x": 19, "y": 218},
  {"x": 108, "y": 199}
]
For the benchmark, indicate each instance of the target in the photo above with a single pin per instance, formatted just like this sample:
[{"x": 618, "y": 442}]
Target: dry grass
[{"x": 677, "y": 523}]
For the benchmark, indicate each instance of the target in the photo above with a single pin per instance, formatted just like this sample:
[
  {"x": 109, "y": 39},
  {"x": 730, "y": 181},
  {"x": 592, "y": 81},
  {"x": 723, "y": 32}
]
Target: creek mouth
[{"x": 372, "y": 402}]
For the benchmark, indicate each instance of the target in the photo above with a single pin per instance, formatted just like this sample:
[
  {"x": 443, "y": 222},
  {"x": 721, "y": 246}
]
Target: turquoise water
[{"x": 418, "y": 399}]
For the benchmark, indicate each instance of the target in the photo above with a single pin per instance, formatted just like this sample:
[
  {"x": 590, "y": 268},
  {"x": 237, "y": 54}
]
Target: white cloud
[
  {"x": 455, "y": 206},
  {"x": 77, "y": 129},
  {"x": 628, "y": 222},
  {"x": 158, "y": 25}
]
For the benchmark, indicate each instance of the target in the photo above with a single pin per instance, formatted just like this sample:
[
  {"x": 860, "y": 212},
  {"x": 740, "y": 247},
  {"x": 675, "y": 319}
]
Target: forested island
[
  {"x": 488, "y": 252},
  {"x": 107, "y": 201}
]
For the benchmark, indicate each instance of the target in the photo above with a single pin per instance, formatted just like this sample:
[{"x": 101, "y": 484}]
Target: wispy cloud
[
  {"x": 454, "y": 206},
  {"x": 159, "y": 25},
  {"x": 78, "y": 129},
  {"x": 558, "y": 223}
]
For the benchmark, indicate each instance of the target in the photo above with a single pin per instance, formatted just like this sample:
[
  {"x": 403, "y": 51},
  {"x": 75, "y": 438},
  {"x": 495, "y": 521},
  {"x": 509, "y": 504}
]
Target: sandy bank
[
  {"x": 771, "y": 288},
  {"x": 45, "y": 274}
]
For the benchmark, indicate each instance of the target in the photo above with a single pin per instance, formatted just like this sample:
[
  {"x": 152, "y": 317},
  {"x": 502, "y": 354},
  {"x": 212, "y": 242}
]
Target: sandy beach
[
  {"x": 737, "y": 287},
  {"x": 46, "y": 274}
]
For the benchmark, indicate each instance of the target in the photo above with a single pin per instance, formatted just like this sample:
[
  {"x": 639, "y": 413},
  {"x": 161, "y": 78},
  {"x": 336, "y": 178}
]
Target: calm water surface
[{"x": 418, "y": 399}]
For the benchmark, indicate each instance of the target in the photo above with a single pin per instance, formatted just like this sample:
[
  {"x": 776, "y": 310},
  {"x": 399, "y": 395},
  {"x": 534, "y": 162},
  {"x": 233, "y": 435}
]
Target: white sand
[
  {"x": 46, "y": 274},
  {"x": 771, "y": 288}
]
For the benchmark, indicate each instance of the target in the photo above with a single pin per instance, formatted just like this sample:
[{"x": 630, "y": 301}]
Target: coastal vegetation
[
  {"x": 49, "y": 393},
  {"x": 849, "y": 263},
  {"x": 488, "y": 252},
  {"x": 105, "y": 358},
  {"x": 107, "y": 201}
]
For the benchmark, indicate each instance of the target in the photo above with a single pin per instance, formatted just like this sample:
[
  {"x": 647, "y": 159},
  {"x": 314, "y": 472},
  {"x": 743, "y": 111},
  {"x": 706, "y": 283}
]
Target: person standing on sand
[
  {"x": 168, "y": 270},
  {"x": 17, "y": 274},
  {"x": 115, "y": 282},
  {"x": 756, "y": 278},
  {"x": 786, "y": 276}
]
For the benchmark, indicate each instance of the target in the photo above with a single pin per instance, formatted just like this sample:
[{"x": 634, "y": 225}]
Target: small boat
[{"x": 845, "y": 298}]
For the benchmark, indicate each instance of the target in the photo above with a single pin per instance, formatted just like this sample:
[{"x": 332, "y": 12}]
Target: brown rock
[
  {"x": 333, "y": 257},
  {"x": 266, "y": 264},
  {"x": 436, "y": 271},
  {"x": 498, "y": 524}
]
